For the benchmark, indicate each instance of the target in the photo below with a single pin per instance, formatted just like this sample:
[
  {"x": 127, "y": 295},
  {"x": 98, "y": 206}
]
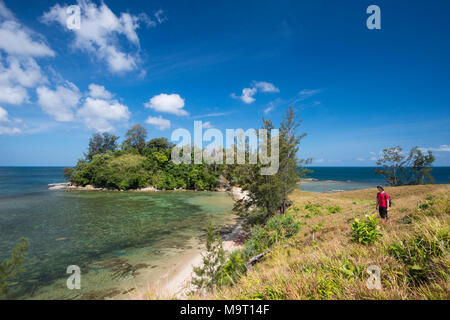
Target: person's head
[{"x": 380, "y": 188}]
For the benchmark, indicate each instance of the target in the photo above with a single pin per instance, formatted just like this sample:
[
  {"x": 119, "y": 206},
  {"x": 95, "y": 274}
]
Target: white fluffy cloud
[
  {"x": 264, "y": 86},
  {"x": 18, "y": 69},
  {"x": 6, "y": 125},
  {"x": 3, "y": 115},
  {"x": 9, "y": 131},
  {"x": 167, "y": 103},
  {"x": 248, "y": 94},
  {"x": 159, "y": 122},
  {"x": 25, "y": 72},
  {"x": 59, "y": 103},
  {"x": 97, "y": 91},
  {"x": 98, "y": 111},
  {"x": 306, "y": 93},
  {"x": 17, "y": 74},
  {"x": 15, "y": 39},
  {"x": 207, "y": 125},
  {"x": 13, "y": 94},
  {"x": 99, "y": 114},
  {"x": 100, "y": 30},
  {"x": 442, "y": 148}
]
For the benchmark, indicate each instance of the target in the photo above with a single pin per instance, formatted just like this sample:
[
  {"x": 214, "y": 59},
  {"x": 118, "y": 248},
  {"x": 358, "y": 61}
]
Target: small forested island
[{"x": 138, "y": 163}]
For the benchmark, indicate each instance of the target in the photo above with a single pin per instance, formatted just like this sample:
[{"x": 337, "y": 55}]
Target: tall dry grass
[{"x": 321, "y": 262}]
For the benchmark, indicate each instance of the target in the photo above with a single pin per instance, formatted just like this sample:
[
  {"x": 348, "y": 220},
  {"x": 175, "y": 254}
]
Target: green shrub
[
  {"x": 333, "y": 209},
  {"x": 365, "y": 232},
  {"x": 269, "y": 292},
  {"x": 313, "y": 208},
  {"x": 419, "y": 254},
  {"x": 257, "y": 242},
  {"x": 327, "y": 286},
  {"x": 234, "y": 268},
  {"x": 277, "y": 229},
  {"x": 349, "y": 270},
  {"x": 433, "y": 206}
]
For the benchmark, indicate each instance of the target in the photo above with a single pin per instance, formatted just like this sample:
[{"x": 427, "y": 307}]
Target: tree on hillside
[
  {"x": 101, "y": 143},
  {"x": 399, "y": 170},
  {"x": 420, "y": 166},
  {"x": 269, "y": 192},
  {"x": 392, "y": 163},
  {"x": 289, "y": 163},
  {"x": 208, "y": 275},
  {"x": 135, "y": 138}
]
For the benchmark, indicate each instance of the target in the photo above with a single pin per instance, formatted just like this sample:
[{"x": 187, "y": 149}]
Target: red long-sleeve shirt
[{"x": 382, "y": 200}]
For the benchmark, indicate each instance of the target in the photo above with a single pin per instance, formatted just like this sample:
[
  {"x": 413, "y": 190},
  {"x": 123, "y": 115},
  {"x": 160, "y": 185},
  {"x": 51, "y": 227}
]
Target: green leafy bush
[
  {"x": 419, "y": 254},
  {"x": 432, "y": 206},
  {"x": 234, "y": 268},
  {"x": 334, "y": 209},
  {"x": 366, "y": 231},
  {"x": 350, "y": 270},
  {"x": 277, "y": 229},
  {"x": 313, "y": 208}
]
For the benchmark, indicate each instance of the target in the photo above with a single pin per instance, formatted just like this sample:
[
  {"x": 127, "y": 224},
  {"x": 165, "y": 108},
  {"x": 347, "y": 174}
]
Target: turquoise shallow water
[{"x": 111, "y": 236}]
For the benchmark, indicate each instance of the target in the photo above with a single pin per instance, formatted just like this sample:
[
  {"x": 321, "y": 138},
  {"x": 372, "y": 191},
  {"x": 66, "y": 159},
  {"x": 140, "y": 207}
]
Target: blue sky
[{"x": 164, "y": 64}]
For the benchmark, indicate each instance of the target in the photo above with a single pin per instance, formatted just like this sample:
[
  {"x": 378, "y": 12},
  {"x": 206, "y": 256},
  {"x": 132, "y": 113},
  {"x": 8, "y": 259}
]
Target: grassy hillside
[{"x": 322, "y": 262}]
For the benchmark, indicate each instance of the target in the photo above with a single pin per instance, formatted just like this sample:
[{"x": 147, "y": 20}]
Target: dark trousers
[{"x": 383, "y": 212}]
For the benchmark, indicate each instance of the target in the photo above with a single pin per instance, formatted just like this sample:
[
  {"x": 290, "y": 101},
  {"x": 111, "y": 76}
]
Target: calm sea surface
[
  {"x": 333, "y": 179},
  {"x": 118, "y": 239}
]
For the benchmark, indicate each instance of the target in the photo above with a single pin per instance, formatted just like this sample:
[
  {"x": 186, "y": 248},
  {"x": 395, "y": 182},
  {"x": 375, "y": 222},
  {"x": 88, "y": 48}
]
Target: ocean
[
  {"x": 118, "y": 239},
  {"x": 335, "y": 179}
]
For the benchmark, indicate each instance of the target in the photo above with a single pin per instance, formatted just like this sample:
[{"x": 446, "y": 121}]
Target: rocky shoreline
[{"x": 89, "y": 187}]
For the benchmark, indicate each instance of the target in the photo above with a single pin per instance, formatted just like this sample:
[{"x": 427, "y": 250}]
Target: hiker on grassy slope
[{"x": 383, "y": 203}]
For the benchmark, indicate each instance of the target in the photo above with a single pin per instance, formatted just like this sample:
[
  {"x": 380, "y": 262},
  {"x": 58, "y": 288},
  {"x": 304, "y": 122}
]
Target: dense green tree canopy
[
  {"x": 401, "y": 169},
  {"x": 101, "y": 143},
  {"x": 135, "y": 138}
]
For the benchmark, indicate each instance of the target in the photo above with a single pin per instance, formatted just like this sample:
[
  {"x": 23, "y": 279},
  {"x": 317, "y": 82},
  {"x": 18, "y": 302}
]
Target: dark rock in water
[
  {"x": 226, "y": 230},
  {"x": 109, "y": 263},
  {"x": 126, "y": 269}
]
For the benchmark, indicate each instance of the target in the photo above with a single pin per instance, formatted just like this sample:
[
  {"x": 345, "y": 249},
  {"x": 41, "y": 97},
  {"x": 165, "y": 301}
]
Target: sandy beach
[{"x": 175, "y": 283}]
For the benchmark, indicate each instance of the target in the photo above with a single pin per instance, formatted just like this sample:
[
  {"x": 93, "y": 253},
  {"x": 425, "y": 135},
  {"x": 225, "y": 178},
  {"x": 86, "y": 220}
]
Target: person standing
[{"x": 382, "y": 203}]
